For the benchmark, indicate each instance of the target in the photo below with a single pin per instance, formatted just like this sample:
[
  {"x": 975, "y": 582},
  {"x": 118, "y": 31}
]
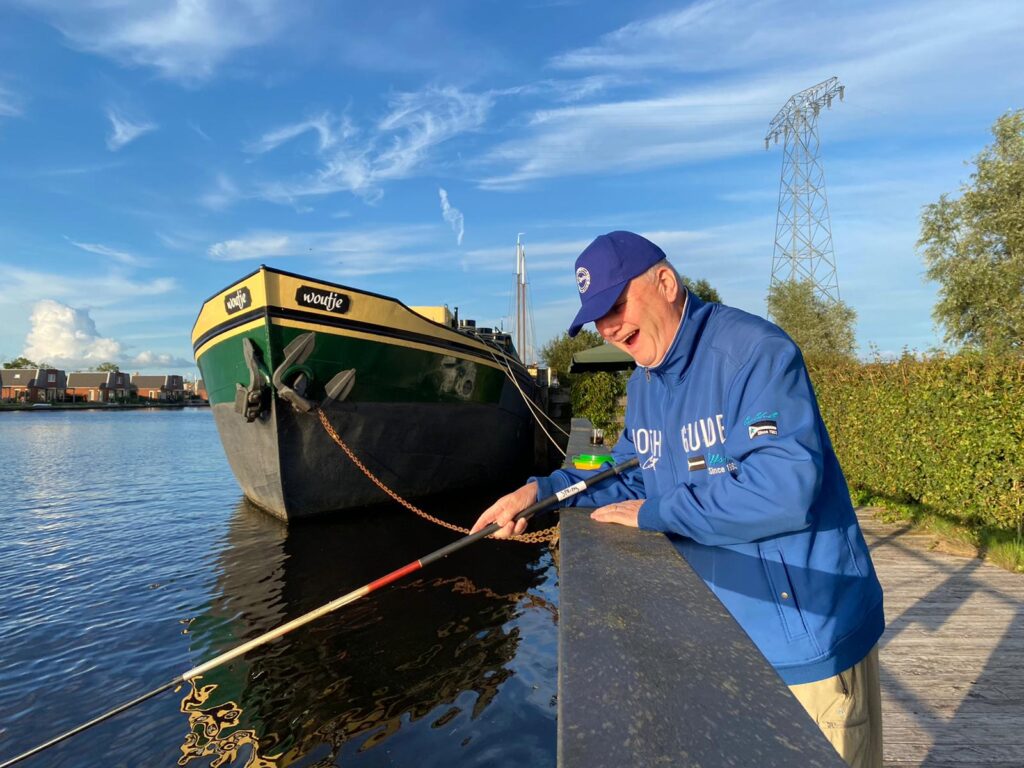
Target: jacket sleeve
[
  {"x": 623, "y": 487},
  {"x": 772, "y": 458}
]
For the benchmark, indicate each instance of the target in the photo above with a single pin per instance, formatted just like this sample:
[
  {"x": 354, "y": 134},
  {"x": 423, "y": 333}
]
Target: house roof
[
  {"x": 149, "y": 382},
  {"x": 87, "y": 379},
  {"x": 18, "y": 377}
]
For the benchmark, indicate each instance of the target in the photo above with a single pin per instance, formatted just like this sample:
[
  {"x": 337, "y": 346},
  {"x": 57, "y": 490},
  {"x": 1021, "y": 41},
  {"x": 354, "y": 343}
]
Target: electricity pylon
[{"x": 803, "y": 230}]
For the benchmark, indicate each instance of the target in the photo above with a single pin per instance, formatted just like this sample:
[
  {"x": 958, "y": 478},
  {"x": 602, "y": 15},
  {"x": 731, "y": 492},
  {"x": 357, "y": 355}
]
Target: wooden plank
[{"x": 952, "y": 657}]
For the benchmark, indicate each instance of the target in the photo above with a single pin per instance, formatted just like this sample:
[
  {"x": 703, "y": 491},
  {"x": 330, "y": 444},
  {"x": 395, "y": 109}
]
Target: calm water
[{"x": 128, "y": 556}]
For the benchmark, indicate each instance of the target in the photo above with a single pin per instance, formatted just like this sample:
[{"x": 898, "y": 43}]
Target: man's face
[{"x": 644, "y": 319}]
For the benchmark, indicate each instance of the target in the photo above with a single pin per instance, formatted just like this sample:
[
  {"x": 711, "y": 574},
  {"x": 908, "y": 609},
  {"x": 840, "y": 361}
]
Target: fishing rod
[{"x": 351, "y": 597}]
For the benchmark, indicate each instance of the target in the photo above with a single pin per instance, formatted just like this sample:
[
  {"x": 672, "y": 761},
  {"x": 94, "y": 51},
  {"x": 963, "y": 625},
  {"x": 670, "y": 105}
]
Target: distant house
[
  {"x": 196, "y": 390},
  {"x": 99, "y": 387},
  {"x": 33, "y": 385},
  {"x": 169, "y": 389}
]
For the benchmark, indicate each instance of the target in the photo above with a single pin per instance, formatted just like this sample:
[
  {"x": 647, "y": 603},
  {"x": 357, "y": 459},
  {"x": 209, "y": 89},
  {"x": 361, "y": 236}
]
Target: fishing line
[{"x": 334, "y": 605}]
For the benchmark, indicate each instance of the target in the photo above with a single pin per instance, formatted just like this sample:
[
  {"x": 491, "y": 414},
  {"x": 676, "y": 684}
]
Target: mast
[{"x": 523, "y": 340}]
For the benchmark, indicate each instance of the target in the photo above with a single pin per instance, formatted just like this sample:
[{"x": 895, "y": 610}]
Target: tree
[
  {"x": 595, "y": 396},
  {"x": 974, "y": 247},
  {"x": 558, "y": 352},
  {"x": 819, "y": 327},
  {"x": 102, "y": 367},
  {"x": 702, "y": 289},
  {"x": 20, "y": 362}
]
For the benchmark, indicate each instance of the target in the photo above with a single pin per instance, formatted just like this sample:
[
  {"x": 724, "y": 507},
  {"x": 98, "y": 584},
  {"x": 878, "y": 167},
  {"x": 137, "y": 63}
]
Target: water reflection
[{"x": 424, "y": 658}]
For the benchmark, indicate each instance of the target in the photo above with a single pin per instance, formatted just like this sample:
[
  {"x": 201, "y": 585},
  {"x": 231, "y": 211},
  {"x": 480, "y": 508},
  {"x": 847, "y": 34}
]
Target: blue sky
[{"x": 153, "y": 151}]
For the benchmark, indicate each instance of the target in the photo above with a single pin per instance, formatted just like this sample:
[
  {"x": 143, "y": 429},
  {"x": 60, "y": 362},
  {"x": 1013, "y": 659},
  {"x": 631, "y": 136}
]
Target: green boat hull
[{"x": 423, "y": 419}]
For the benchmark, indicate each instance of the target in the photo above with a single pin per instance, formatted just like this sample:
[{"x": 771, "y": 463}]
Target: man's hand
[
  {"x": 623, "y": 513},
  {"x": 504, "y": 509}
]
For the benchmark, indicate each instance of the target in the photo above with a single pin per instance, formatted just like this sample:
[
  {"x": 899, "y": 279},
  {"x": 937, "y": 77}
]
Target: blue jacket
[{"x": 738, "y": 470}]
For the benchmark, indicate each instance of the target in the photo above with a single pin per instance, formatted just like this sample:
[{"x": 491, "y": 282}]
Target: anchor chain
[{"x": 545, "y": 535}]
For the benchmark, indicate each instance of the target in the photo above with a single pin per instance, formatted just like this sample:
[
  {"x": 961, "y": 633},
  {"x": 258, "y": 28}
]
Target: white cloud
[
  {"x": 328, "y": 131},
  {"x": 124, "y": 131},
  {"x": 149, "y": 359},
  {"x": 223, "y": 194},
  {"x": 184, "y": 40},
  {"x": 350, "y": 253},
  {"x": 23, "y": 285},
  {"x": 67, "y": 337},
  {"x": 122, "y": 257},
  {"x": 10, "y": 104},
  {"x": 733, "y": 35},
  {"x": 633, "y": 135},
  {"x": 400, "y": 145},
  {"x": 749, "y": 58},
  {"x": 255, "y": 247},
  {"x": 452, "y": 215}
]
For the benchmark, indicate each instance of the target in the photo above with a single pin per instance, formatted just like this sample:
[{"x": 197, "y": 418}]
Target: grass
[{"x": 1001, "y": 547}]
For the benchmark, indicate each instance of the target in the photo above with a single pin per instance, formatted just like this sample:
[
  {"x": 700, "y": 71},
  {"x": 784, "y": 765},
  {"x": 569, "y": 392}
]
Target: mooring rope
[
  {"x": 534, "y": 537},
  {"x": 534, "y": 408}
]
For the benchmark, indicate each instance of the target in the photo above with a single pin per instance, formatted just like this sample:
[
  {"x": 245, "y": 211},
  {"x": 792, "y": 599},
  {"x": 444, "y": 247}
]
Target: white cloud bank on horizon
[
  {"x": 67, "y": 338},
  {"x": 452, "y": 215}
]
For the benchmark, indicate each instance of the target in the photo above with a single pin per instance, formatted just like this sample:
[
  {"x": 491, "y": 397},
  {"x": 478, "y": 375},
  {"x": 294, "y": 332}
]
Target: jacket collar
[{"x": 680, "y": 352}]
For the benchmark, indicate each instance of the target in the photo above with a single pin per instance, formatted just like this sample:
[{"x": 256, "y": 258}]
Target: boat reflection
[{"x": 420, "y": 657}]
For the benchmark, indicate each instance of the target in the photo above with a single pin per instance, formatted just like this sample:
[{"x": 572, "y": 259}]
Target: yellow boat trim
[
  {"x": 286, "y": 323},
  {"x": 268, "y": 287},
  {"x": 231, "y": 332},
  {"x": 437, "y": 350}
]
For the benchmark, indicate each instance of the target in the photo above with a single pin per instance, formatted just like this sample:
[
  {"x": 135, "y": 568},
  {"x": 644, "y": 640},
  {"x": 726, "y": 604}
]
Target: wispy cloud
[
  {"x": 224, "y": 193},
  {"x": 346, "y": 252},
  {"x": 87, "y": 290},
  {"x": 185, "y": 40},
  {"x": 328, "y": 131},
  {"x": 10, "y": 103},
  {"x": 633, "y": 135},
  {"x": 452, "y": 215},
  {"x": 398, "y": 146},
  {"x": 122, "y": 257},
  {"x": 124, "y": 131},
  {"x": 709, "y": 77}
]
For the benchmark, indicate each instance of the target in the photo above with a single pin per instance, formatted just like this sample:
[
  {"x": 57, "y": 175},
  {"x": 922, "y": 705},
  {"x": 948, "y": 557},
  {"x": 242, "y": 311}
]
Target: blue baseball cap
[{"x": 605, "y": 268}]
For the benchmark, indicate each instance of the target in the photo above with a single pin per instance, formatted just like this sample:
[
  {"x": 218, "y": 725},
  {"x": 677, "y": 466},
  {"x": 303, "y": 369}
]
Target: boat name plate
[
  {"x": 237, "y": 301},
  {"x": 329, "y": 301}
]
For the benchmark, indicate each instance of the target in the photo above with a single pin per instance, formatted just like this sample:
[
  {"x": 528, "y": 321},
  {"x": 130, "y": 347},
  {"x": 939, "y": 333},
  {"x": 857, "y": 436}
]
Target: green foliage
[
  {"x": 108, "y": 367},
  {"x": 20, "y": 362},
  {"x": 595, "y": 396},
  {"x": 974, "y": 247},
  {"x": 558, "y": 352},
  {"x": 945, "y": 433},
  {"x": 702, "y": 289},
  {"x": 818, "y": 326}
]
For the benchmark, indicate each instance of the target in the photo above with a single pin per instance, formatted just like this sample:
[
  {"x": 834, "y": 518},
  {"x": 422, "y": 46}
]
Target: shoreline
[{"x": 45, "y": 407}]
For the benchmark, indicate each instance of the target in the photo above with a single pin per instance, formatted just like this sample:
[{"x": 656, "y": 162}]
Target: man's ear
[{"x": 668, "y": 285}]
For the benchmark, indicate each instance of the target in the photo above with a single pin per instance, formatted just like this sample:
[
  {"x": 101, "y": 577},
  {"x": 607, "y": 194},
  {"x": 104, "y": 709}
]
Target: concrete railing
[{"x": 652, "y": 669}]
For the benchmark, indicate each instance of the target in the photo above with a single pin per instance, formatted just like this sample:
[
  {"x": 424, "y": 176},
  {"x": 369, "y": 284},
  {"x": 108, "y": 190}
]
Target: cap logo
[{"x": 583, "y": 279}]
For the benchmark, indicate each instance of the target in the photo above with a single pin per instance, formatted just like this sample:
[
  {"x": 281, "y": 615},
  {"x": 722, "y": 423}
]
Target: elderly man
[{"x": 737, "y": 468}]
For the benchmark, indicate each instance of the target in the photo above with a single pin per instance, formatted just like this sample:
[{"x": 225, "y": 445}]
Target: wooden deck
[{"x": 952, "y": 656}]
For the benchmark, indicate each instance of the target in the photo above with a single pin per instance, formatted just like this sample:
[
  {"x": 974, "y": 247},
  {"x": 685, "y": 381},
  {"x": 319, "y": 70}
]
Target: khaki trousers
[{"x": 848, "y": 709}]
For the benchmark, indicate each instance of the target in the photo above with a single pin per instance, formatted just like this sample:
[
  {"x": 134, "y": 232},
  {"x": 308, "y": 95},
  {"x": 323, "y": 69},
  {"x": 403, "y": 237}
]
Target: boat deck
[{"x": 952, "y": 658}]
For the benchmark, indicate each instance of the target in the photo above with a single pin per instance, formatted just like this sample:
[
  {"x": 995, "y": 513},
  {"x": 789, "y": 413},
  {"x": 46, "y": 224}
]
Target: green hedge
[{"x": 946, "y": 432}]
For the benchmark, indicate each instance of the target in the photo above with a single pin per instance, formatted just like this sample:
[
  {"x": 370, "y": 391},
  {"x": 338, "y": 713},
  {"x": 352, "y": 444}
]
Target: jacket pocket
[{"x": 782, "y": 593}]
